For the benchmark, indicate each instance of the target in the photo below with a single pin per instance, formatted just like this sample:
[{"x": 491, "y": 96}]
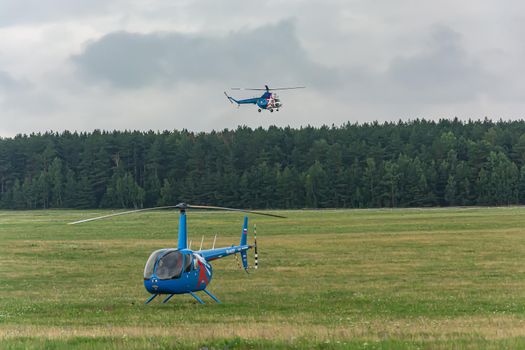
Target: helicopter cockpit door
[
  {"x": 188, "y": 269},
  {"x": 169, "y": 265}
]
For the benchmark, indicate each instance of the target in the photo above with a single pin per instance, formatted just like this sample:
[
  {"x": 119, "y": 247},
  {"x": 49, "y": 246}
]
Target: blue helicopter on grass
[
  {"x": 269, "y": 100},
  {"x": 181, "y": 270}
]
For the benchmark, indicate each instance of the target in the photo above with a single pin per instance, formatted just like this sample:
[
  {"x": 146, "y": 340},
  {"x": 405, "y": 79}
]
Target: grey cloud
[
  {"x": 440, "y": 72},
  {"x": 270, "y": 53},
  {"x": 10, "y": 84},
  {"x": 443, "y": 72},
  {"x": 6, "y": 81},
  {"x": 22, "y": 95}
]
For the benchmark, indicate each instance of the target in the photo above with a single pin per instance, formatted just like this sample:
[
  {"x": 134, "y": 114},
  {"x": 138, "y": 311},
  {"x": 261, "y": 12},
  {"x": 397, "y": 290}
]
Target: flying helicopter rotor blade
[
  {"x": 122, "y": 213},
  {"x": 252, "y": 89},
  {"x": 190, "y": 206},
  {"x": 270, "y": 89},
  {"x": 289, "y": 88}
]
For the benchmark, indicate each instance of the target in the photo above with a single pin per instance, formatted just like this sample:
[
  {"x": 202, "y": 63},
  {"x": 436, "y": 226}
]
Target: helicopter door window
[
  {"x": 150, "y": 265},
  {"x": 170, "y": 266},
  {"x": 187, "y": 262}
]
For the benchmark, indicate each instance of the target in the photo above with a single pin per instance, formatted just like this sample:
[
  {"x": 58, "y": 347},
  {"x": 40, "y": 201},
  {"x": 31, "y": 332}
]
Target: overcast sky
[{"x": 137, "y": 64}]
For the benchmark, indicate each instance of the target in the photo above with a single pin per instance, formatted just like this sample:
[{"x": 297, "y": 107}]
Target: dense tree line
[{"x": 417, "y": 163}]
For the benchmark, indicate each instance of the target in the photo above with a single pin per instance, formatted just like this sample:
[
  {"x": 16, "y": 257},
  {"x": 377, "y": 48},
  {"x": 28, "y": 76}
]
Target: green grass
[{"x": 331, "y": 279}]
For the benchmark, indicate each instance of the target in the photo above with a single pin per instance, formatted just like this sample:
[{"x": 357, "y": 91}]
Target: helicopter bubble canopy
[{"x": 164, "y": 264}]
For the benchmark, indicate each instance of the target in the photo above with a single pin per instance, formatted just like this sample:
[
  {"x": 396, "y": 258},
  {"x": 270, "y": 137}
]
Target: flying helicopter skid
[{"x": 181, "y": 270}]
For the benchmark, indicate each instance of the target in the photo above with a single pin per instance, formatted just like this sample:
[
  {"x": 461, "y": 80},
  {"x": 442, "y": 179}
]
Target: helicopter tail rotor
[
  {"x": 256, "y": 255},
  {"x": 231, "y": 99},
  {"x": 244, "y": 253}
]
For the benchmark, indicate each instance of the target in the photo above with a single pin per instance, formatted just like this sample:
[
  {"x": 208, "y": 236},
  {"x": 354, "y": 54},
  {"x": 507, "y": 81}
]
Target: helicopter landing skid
[
  {"x": 150, "y": 298},
  {"x": 167, "y": 298},
  {"x": 196, "y": 297},
  {"x": 212, "y": 296}
]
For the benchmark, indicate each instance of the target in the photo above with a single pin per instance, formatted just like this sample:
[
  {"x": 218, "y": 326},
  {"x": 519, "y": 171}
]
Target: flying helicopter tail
[{"x": 231, "y": 99}]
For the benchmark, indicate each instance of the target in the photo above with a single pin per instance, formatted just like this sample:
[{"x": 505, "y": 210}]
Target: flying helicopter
[
  {"x": 269, "y": 100},
  {"x": 182, "y": 270}
]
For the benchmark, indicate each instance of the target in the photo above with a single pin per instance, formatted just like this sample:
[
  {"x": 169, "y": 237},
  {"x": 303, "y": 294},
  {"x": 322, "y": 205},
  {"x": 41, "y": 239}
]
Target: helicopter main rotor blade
[
  {"x": 189, "y": 206},
  {"x": 121, "y": 213},
  {"x": 180, "y": 206},
  {"x": 270, "y": 89}
]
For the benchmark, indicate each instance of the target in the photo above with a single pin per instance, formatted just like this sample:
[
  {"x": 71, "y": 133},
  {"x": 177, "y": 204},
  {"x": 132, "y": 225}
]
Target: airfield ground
[{"x": 330, "y": 279}]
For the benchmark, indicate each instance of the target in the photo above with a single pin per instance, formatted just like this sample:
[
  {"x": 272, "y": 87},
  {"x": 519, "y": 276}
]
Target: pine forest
[{"x": 405, "y": 164}]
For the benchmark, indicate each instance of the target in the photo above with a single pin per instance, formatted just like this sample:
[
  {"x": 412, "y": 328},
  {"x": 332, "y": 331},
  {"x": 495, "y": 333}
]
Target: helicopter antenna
[
  {"x": 214, "y": 239},
  {"x": 202, "y": 240}
]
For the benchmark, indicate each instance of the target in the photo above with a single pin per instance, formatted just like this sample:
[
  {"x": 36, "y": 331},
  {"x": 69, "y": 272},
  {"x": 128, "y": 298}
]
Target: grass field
[{"x": 334, "y": 279}]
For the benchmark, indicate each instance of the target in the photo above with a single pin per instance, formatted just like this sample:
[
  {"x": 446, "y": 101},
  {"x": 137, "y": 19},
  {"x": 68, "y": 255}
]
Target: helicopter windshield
[
  {"x": 150, "y": 265},
  {"x": 169, "y": 266}
]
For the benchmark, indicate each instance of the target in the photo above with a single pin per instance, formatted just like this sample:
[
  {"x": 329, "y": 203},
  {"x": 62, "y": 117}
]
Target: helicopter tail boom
[
  {"x": 242, "y": 102},
  {"x": 214, "y": 254}
]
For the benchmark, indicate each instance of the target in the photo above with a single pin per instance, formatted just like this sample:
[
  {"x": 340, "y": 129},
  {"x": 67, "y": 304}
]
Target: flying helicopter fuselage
[{"x": 268, "y": 101}]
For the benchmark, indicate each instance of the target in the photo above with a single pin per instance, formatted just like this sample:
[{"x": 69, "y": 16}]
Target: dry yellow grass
[{"x": 413, "y": 329}]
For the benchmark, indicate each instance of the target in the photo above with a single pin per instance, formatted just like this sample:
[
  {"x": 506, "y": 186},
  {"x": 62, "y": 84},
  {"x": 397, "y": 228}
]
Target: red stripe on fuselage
[{"x": 203, "y": 277}]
